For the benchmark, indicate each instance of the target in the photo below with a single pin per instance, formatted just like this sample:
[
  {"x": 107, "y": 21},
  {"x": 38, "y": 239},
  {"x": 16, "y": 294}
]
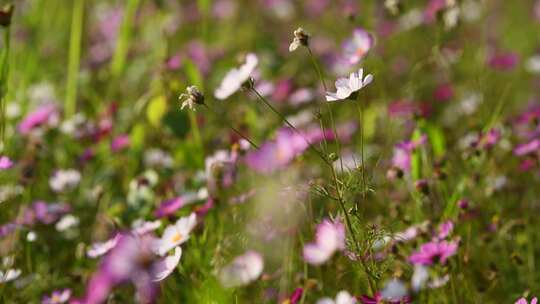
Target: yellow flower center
[{"x": 177, "y": 237}]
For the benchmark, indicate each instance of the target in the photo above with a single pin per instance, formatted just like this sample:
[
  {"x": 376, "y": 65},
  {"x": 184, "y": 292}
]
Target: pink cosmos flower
[
  {"x": 120, "y": 142},
  {"x": 443, "y": 92},
  {"x": 330, "y": 237},
  {"x": 5, "y": 163},
  {"x": 57, "y": 297},
  {"x": 403, "y": 153},
  {"x": 169, "y": 207},
  {"x": 358, "y": 46},
  {"x": 503, "y": 61},
  {"x": 432, "y": 9},
  {"x": 430, "y": 252},
  {"x": 130, "y": 261},
  {"x": 444, "y": 230},
  {"x": 524, "y": 301},
  {"x": 243, "y": 270},
  {"x": 527, "y": 148},
  {"x": 45, "y": 114}
]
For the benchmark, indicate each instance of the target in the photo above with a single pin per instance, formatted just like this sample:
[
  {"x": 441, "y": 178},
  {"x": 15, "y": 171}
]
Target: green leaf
[
  {"x": 157, "y": 107},
  {"x": 437, "y": 139},
  {"x": 416, "y": 158},
  {"x": 137, "y": 136},
  {"x": 193, "y": 74}
]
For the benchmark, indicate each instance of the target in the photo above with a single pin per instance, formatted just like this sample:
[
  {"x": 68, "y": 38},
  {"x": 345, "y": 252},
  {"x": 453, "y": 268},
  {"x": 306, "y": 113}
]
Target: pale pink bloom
[
  {"x": 5, "y": 163},
  {"x": 165, "y": 266},
  {"x": 348, "y": 87},
  {"x": 57, "y": 297},
  {"x": 330, "y": 237},
  {"x": 243, "y": 270},
  {"x": 140, "y": 227},
  {"x": 445, "y": 229},
  {"x": 63, "y": 180},
  {"x": 236, "y": 77},
  {"x": 357, "y": 47},
  {"x": 101, "y": 248}
]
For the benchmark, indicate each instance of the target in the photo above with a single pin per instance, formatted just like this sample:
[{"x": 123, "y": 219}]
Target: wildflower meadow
[{"x": 269, "y": 151}]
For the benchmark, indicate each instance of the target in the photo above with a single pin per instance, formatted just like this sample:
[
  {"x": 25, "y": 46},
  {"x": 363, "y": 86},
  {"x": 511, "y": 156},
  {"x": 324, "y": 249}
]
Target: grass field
[{"x": 269, "y": 151}]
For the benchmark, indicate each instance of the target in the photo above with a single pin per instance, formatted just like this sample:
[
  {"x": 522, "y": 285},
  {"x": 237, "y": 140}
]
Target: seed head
[
  {"x": 191, "y": 97},
  {"x": 301, "y": 37}
]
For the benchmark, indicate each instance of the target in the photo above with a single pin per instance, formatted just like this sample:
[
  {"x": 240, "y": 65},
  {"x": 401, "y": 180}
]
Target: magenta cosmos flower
[
  {"x": 57, "y": 297},
  {"x": 434, "y": 251},
  {"x": 45, "y": 114},
  {"x": 330, "y": 237},
  {"x": 357, "y": 46},
  {"x": 5, "y": 163},
  {"x": 120, "y": 142},
  {"x": 524, "y": 301}
]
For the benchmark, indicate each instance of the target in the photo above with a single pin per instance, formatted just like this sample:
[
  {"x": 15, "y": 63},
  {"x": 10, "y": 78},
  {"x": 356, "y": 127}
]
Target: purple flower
[
  {"x": 330, "y": 237},
  {"x": 57, "y": 297},
  {"x": 5, "y": 163},
  {"x": 430, "y": 252},
  {"x": 45, "y": 114},
  {"x": 358, "y": 46},
  {"x": 120, "y": 142}
]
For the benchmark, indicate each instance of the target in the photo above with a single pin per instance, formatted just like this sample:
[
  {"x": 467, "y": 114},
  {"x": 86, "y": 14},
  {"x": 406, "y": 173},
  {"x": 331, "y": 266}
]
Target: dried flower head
[
  {"x": 191, "y": 97},
  {"x": 301, "y": 37}
]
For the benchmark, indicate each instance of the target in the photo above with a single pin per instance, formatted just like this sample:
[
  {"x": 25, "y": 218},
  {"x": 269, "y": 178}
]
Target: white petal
[
  {"x": 164, "y": 267},
  {"x": 331, "y": 96},
  {"x": 367, "y": 80}
]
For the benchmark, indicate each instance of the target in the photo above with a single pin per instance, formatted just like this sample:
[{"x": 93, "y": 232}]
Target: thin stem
[
  {"x": 361, "y": 114},
  {"x": 332, "y": 123},
  {"x": 233, "y": 128},
  {"x": 74, "y": 57},
  {"x": 284, "y": 119},
  {"x": 316, "y": 65}
]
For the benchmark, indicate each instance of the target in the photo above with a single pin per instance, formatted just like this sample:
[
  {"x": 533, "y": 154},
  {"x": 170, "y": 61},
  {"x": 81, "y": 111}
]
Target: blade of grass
[
  {"x": 122, "y": 45},
  {"x": 74, "y": 57}
]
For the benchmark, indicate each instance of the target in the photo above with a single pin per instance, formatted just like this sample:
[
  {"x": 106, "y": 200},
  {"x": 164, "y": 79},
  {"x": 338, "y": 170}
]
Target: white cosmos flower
[
  {"x": 346, "y": 87},
  {"x": 66, "y": 222},
  {"x": 164, "y": 267},
  {"x": 175, "y": 235},
  {"x": 64, "y": 180},
  {"x": 343, "y": 297},
  {"x": 9, "y": 275},
  {"x": 236, "y": 77}
]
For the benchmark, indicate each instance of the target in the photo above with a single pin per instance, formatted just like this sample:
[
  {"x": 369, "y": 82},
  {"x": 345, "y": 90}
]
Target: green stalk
[
  {"x": 74, "y": 57},
  {"x": 4, "y": 73},
  {"x": 122, "y": 45}
]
